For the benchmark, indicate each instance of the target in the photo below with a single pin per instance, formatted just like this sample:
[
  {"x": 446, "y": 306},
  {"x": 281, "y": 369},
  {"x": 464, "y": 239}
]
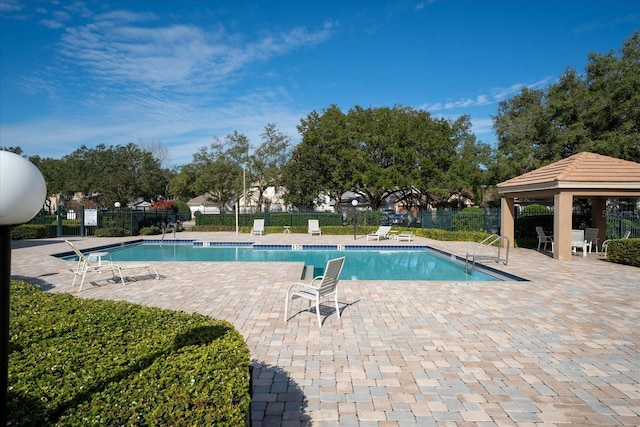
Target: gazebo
[{"x": 583, "y": 175}]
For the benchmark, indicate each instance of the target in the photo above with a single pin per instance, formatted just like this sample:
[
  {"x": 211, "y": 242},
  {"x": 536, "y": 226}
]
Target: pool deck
[{"x": 561, "y": 348}]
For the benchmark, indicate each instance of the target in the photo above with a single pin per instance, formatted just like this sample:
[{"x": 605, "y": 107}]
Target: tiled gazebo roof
[{"x": 581, "y": 171}]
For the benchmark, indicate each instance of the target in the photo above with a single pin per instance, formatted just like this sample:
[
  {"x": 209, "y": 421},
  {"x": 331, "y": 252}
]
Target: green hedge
[
  {"x": 624, "y": 251},
  {"x": 111, "y": 232},
  {"x": 277, "y": 219},
  {"x": 451, "y": 236},
  {"x": 430, "y": 233},
  {"x": 29, "y": 231},
  {"x": 82, "y": 362},
  {"x": 468, "y": 219},
  {"x": 149, "y": 231},
  {"x": 301, "y": 219}
]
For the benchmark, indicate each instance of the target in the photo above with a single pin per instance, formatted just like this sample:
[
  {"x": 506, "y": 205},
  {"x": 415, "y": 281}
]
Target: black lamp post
[
  {"x": 354, "y": 203},
  {"x": 22, "y": 194}
]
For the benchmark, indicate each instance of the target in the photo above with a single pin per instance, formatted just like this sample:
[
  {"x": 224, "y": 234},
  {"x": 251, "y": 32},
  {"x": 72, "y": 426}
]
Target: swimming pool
[{"x": 362, "y": 262}]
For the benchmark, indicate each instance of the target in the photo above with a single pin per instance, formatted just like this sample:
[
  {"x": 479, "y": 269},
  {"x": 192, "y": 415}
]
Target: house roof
[
  {"x": 581, "y": 171},
  {"x": 203, "y": 199}
]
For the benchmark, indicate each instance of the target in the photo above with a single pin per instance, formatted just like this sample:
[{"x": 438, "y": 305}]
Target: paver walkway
[{"x": 562, "y": 348}]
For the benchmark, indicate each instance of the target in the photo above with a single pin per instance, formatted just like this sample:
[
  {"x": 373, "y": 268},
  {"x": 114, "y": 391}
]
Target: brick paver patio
[{"x": 562, "y": 348}]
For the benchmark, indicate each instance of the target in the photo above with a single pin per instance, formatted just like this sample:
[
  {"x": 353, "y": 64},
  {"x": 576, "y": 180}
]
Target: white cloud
[
  {"x": 126, "y": 77},
  {"x": 422, "y": 4},
  {"x": 480, "y": 100},
  {"x": 483, "y": 100},
  {"x": 59, "y": 20},
  {"x": 51, "y": 24},
  {"x": 182, "y": 128},
  {"x": 498, "y": 94},
  {"x": 458, "y": 104},
  {"x": 122, "y": 47},
  {"x": 494, "y": 96},
  {"x": 7, "y": 6},
  {"x": 482, "y": 127}
]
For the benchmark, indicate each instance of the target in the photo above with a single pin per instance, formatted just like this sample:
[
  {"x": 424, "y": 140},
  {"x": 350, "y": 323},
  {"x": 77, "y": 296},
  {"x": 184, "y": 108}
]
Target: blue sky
[{"x": 181, "y": 72}]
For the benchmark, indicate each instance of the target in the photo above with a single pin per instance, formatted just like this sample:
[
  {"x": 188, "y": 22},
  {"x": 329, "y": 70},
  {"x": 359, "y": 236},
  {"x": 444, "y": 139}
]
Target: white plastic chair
[
  {"x": 543, "y": 238},
  {"x": 319, "y": 288},
  {"x": 381, "y": 233},
  {"x": 578, "y": 241},
  {"x": 258, "y": 227},
  {"x": 314, "y": 227},
  {"x": 405, "y": 235},
  {"x": 85, "y": 265},
  {"x": 591, "y": 236}
]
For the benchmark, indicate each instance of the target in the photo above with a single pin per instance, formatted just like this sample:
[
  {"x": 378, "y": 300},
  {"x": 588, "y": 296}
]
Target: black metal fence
[
  {"x": 291, "y": 219},
  {"x": 85, "y": 221},
  {"x": 474, "y": 219},
  {"x": 619, "y": 223}
]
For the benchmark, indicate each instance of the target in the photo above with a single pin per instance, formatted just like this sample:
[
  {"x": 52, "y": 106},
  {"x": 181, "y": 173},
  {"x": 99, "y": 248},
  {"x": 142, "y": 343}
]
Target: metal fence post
[
  {"x": 59, "y": 222},
  {"x": 131, "y": 221},
  {"x": 81, "y": 221}
]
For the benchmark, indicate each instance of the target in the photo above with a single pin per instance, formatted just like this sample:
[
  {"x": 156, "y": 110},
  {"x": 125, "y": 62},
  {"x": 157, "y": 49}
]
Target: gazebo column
[
  {"x": 598, "y": 217},
  {"x": 562, "y": 224},
  {"x": 507, "y": 218}
]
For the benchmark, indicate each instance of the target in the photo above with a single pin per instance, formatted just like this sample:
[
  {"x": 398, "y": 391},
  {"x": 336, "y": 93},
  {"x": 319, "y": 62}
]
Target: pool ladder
[{"x": 476, "y": 252}]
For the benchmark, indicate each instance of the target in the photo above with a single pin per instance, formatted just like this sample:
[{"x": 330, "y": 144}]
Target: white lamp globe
[
  {"x": 117, "y": 205},
  {"x": 22, "y": 189},
  {"x": 354, "y": 202}
]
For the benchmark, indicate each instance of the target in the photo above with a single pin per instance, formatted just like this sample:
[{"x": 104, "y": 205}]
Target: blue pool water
[{"x": 362, "y": 263}]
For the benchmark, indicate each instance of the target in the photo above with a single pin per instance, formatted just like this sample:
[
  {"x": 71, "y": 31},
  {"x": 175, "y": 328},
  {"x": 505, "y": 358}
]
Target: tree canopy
[
  {"x": 267, "y": 161},
  {"x": 105, "y": 174},
  {"x": 221, "y": 168},
  {"x": 598, "y": 111},
  {"x": 377, "y": 153}
]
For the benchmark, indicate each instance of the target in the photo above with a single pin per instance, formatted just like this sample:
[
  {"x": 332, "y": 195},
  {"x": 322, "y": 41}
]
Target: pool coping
[{"x": 481, "y": 267}]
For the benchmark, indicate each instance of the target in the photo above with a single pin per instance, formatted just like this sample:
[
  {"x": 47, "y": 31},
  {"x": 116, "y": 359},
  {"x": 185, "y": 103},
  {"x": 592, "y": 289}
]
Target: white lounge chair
[
  {"x": 578, "y": 241},
  {"x": 591, "y": 236},
  {"x": 543, "y": 238},
  {"x": 320, "y": 287},
  {"x": 381, "y": 233},
  {"x": 405, "y": 235},
  {"x": 85, "y": 265},
  {"x": 314, "y": 227},
  {"x": 605, "y": 244},
  {"x": 258, "y": 227}
]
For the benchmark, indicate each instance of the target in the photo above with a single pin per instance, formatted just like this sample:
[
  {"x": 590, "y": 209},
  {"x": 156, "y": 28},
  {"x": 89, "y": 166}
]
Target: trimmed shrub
[
  {"x": 430, "y": 233},
  {"x": 281, "y": 219},
  {"x": 624, "y": 251},
  {"x": 468, "y": 219},
  {"x": 218, "y": 228},
  {"x": 450, "y": 236},
  {"x": 29, "y": 231},
  {"x": 184, "y": 212},
  {"x": 111, "y": 232},
  {"x": 301, "y": 219},
  {"x": 79, "y": 361},
  {"x": 148, "y": 231}
]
